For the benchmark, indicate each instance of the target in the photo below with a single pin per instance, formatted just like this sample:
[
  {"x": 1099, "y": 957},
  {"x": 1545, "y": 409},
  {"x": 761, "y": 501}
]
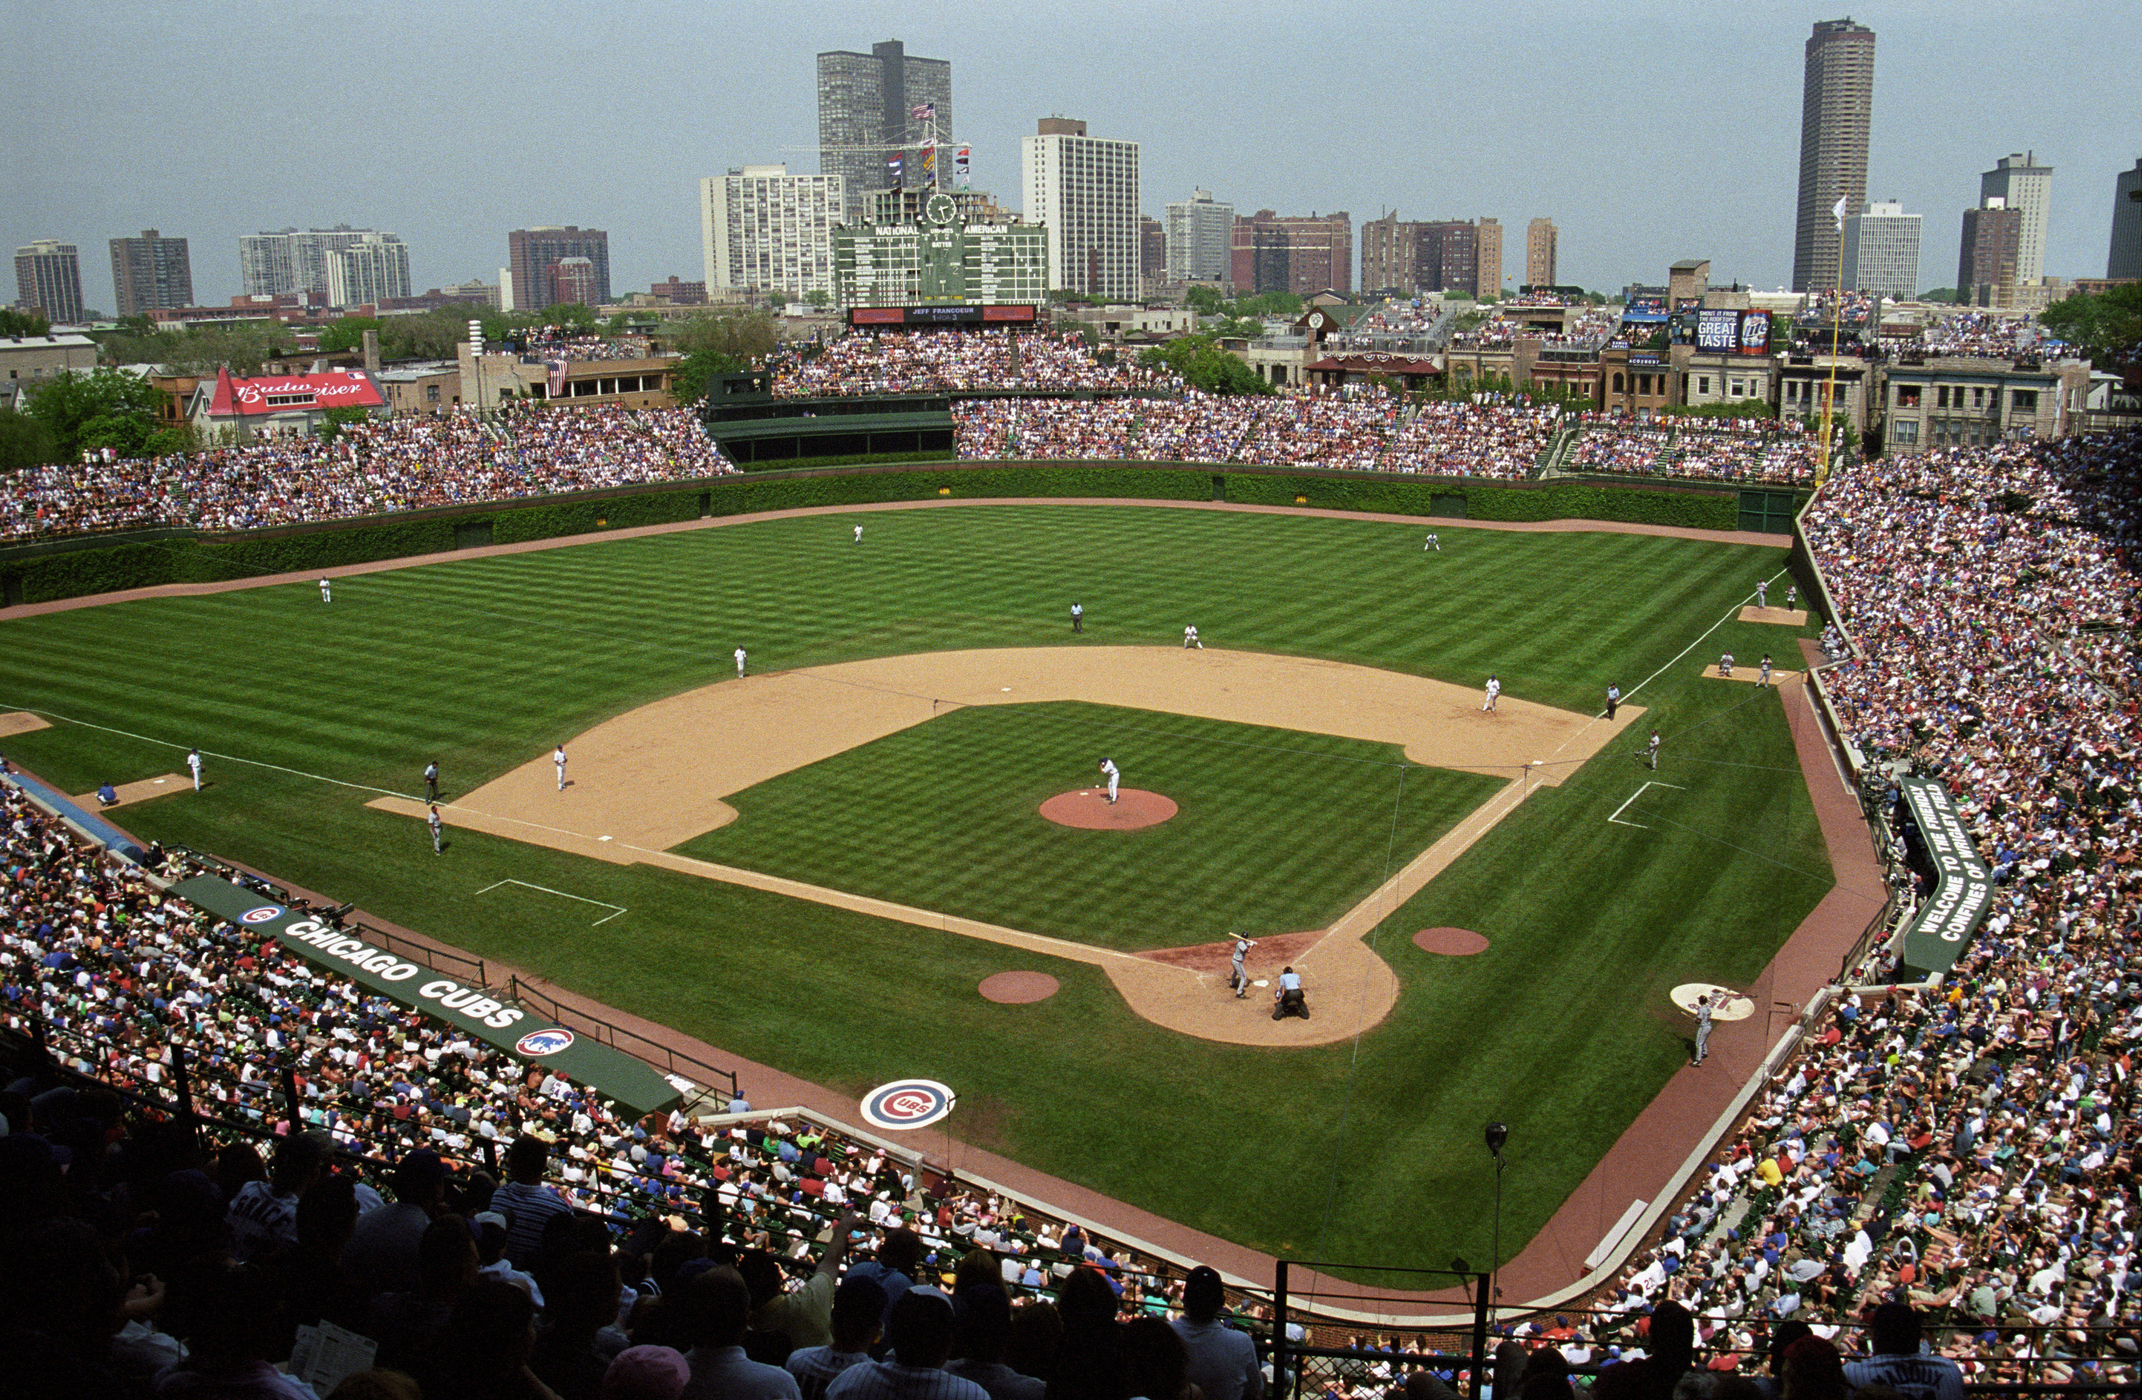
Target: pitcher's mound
[
  {"x": 1017, "y": 988},
  {"x": 1090, "y": 809},
  {"x": 1457, "y": 942}
]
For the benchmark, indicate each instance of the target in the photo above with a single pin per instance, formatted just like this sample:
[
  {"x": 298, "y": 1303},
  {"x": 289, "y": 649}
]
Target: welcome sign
[
  {"x": 610, "y": 1072},
  {"x": 1963, "y": 887}
]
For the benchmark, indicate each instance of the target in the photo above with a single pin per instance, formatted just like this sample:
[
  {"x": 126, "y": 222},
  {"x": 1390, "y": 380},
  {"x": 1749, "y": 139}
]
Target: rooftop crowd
[
  {"x": 372, "y": 467},
  {"x": 1982, "y": 333},
  {"x": 557, "y": 343},
  {"x": 953, "y": 361}
]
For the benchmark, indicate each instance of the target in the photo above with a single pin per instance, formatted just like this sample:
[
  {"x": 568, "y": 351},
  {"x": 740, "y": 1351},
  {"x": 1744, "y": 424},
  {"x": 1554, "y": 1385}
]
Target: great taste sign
[
  {"x": 608, "y": 1071},
  {"x": 1963, "y": 887}
]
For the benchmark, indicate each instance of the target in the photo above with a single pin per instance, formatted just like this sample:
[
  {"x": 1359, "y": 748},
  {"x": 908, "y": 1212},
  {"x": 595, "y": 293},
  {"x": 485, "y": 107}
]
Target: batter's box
[{"x": 1652, "y": 783}]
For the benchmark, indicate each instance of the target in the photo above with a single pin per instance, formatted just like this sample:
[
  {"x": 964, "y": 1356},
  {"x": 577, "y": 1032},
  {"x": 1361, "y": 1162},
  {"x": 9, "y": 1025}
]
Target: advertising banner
[
  {"x": 1754, "y": 332},
  {"x": 544, "y": 1044},
  {"x": 1717, "y": 332}
]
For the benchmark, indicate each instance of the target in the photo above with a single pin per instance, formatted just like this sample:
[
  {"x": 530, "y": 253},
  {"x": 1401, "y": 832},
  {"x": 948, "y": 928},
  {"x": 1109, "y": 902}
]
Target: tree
[
  {"x": 2105, "y": 326},
  {"x": 13, "y": 322},
  {"x": 334, "y": 420},
  {"x": 777, "y": 299},
  {"x": 242, "y": 349},
  {"x": 1205, "y": 366},
  {"x": 819, "y": 298},
  {"x": 346, "y": 334},
  {"x": 102, "y": 408},
  {"x": 691, "y": 380},
  {"x": 571, "y": 316},
  {"x": 24, "y": 442},
  {"x": 1205, "y": 301},
  {"x": 1941, "y": 296},
  {"x": 748, "y": 335}
]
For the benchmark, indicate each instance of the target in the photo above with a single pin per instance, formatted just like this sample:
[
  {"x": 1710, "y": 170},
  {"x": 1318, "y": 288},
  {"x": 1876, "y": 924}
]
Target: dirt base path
[{"x": 651, "y": 779}]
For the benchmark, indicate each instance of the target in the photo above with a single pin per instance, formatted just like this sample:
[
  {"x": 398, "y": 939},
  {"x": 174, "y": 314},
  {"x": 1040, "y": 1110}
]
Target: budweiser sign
[{"x": 347, "y": 389}]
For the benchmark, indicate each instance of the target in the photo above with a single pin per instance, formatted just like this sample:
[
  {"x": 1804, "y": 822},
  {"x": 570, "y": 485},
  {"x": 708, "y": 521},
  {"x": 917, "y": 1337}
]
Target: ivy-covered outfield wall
[{"x": 66, "y": 569}]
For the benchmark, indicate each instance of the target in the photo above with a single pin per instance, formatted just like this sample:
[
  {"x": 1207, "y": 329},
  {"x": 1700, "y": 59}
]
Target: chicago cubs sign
[{"x": 907, "y": 1103}]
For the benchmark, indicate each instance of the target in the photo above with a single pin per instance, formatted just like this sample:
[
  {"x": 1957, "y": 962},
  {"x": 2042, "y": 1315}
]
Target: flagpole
[{"x": 1829, "y": 396}]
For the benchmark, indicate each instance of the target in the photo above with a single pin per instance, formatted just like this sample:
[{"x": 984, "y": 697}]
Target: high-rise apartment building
[
  {"x": 1540, "y": 253},
  {"x": 2125, "y": 257},
  {"x": 1881, "y": 251},
  {"x": 1302, "y": 253},
  {"x": 763, "y": 230},
  {"x": 48, "y": 279},
  {"x": 368, "y": 271},
  {"x": 1152, "y": 250},
  {"x": 1084, "y": 190},
  {"x": 1487, "y": 259},
  {"x": 533, "y": 252},
  {"x": 2025, "y": 186},
  {"x": 1836, "y": 116},
  {"x": 1199, "y": 232},
  {"x": 150, "y": 273},
  {"x": 1986, "y": 261},
  {"x": 881, "y": 116},
  {"x": 294, "y": 261}
]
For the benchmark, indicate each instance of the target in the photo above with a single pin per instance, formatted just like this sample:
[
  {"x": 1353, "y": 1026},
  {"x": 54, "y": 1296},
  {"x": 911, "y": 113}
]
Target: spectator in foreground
[
  {"x": 715, "y": 1310},
  {"x": 858, "y": 1308},
  {"x": 1223, "y": 1361},
  {"x": 921, "y": 1337},
  {"x": 982, "y": 1321},
  {"x": 1893, "y": 1332}
]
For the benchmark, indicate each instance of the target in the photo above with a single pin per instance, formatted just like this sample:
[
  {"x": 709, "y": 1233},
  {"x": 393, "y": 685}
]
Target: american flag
[{"x": 927, "y": 112}]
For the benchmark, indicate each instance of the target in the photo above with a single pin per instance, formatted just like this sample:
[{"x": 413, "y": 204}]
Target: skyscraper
[
  {"x": 294, "y": 261},
  {"x": 1881, "y": 251},
  {"x": 151, "y": 273},
  {"x": 1539, "y": 253},
  {"x": 1836, "y": 113},
  {"x": 1487, "y": 263},
  {"x": 2022, "y": 184},
  {"x": 2125, "y": 257},
  {"x": 1198, "y": 229},
  {"x": 879, "y": 115},
  {"x": 533, "y": 252},
  {"x": 48, "y": 277},
  {"x": 1299, "y": 253},
  {"x": 764, "y": 230},
  {"x": 1085, "y": 191}
]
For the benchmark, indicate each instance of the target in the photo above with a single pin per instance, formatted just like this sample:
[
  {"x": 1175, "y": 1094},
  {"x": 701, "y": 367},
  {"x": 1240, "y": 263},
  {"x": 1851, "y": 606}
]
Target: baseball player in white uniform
[
  {"x": 433, "y": 821},
  {"x": 1764, "y": 679},
  {"x": 858, "y": 534},
  {"x": 1113, "y": 774},
  {"x": 1494, "y": 688},
  {"x": 1654, "y": 751},
  {"x": 1190, "y": 639},
  {"x": 193, "y": 761},
  {"x": 1725, "y": 664},
  {"x": 1762, "y": 593},
  {"x": 327, "y": 591},
  {"x": 1432, "y": 543},
  {"x": 739, "y": 663},
  {"x": 1792, "y": 594},
  {"x": 557, "y": 757}
]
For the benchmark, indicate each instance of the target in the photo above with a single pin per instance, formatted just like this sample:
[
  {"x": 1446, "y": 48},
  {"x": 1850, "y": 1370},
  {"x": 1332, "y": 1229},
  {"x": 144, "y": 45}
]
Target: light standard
[{"x": 1498, "y": 1133}]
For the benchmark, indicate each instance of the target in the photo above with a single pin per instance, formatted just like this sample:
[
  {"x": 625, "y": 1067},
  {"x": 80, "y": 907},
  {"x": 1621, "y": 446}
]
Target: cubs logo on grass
[
  {"x": 548, "y": 1041},
  {"x": 261, "y": 915},
  {"x": 908, "y": 1103}
]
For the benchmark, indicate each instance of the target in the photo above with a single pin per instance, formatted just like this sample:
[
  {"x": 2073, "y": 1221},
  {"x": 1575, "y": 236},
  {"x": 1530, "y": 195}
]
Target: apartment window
[
  {"x": 1941, "y": 396},
  {"x": 2024, "y": 400},
  {"x": 1703, "y": 384},
  {"x": 1978, "y": 396},
  {"x": 1905, "y": 432},
  {"x": 1737, "y": 388},
  {"x": 1908, "y": 395}
]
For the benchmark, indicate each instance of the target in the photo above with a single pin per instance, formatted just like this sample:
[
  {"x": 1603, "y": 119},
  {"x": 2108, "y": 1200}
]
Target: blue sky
[{"x": 1648, "y": 131}]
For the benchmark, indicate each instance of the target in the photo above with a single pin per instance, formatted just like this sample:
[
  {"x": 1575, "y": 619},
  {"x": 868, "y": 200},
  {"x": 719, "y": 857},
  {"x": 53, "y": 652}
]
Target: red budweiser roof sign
[{"x": 292, "y": 393}]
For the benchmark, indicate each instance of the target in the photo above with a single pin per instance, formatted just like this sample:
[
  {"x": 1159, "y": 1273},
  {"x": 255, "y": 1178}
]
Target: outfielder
[
  {"x": 327, "y": 591},
  {"x": 1190, "y": 639},
  {"x": 858, "y": 534},
  {"x": 557, "y": 757},
  {"x": 1113, "y": 774},
  {"x": 739, "y": 663},
  {"x": 1432, "y": 543}
]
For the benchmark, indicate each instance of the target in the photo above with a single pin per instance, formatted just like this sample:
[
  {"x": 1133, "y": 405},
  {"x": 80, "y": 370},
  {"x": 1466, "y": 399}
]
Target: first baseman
[
  {"x": 1113, "y": 774},
  {"x": 1762, "y": 592},
  {"x": 193, "y": 761},
  {"x": 557, "y": 756}
]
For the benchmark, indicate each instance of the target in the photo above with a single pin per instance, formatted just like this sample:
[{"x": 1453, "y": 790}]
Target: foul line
[
  {"x": 562, "y": 895},
  {"x": 1616, "y": 818}
]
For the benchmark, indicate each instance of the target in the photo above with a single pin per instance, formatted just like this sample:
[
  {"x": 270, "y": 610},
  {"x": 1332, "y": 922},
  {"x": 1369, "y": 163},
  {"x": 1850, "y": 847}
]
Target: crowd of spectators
[
  {"x": 1498, "y": 436},
  {"x": 1969, "y": 1147},
  {"x": 557, "y": 343},
  {"x": 954, "y": 361},
  {"x": 1588, "y": 329},
  {"x": 1716, "y": 449},
  {"x": 372, "y": 467},
  {"x": 1985, "y": 334}
]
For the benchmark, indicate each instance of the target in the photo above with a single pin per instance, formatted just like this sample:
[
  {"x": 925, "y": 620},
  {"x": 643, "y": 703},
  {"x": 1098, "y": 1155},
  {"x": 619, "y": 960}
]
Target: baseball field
[{"x": 818, "y": 864}]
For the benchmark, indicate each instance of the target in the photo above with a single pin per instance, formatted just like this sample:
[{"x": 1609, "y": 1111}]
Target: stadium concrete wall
[{"x": 77, "y": 566}]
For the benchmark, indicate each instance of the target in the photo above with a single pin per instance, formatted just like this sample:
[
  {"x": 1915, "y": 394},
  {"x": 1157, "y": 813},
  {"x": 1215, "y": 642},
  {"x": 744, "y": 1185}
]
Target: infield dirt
[{"x": 657, "y": 776}]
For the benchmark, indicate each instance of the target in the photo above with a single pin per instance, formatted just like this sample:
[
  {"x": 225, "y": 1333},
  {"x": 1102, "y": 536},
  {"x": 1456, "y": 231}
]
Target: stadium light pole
[{"x": 1498, "y": 1133}]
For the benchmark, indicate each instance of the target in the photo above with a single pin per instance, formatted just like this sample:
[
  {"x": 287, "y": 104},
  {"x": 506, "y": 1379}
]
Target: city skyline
[{"x": 1194, "y": 85}]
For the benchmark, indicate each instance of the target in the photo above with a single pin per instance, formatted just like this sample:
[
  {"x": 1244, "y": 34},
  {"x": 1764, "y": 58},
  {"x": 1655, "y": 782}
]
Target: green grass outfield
[
  {"x": 1278, "y": 831},
  {"x": 1367, "y": 1152}
]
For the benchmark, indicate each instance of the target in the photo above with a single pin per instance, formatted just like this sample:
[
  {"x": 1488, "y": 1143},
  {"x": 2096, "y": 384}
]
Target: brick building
[{"x": 1302, "y": 254}]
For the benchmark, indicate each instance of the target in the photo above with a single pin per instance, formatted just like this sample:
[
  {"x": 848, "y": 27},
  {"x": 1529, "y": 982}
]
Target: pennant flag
[
  {"x": 929, "y": 163},
  {"x": 959, "y": 167},
  {"x": 1839, "y": 210}
]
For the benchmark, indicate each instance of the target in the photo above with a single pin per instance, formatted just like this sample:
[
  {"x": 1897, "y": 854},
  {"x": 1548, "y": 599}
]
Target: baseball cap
[{"x": 646, "y": 1373}]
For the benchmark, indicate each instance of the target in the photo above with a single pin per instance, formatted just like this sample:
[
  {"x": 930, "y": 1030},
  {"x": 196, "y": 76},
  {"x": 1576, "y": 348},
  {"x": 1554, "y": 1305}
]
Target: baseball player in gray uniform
[
  {"x": 1113, "y": 774},
  {"x": 1238, "y": 970}
]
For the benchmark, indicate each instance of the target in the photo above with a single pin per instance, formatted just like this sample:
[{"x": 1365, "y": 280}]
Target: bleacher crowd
[
  {"x": 953, "y": 361},
  {"x": 1779, "y": 451},
  {"x": 1499, "y": 436},
  {"x": 373, "y": 467}
]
